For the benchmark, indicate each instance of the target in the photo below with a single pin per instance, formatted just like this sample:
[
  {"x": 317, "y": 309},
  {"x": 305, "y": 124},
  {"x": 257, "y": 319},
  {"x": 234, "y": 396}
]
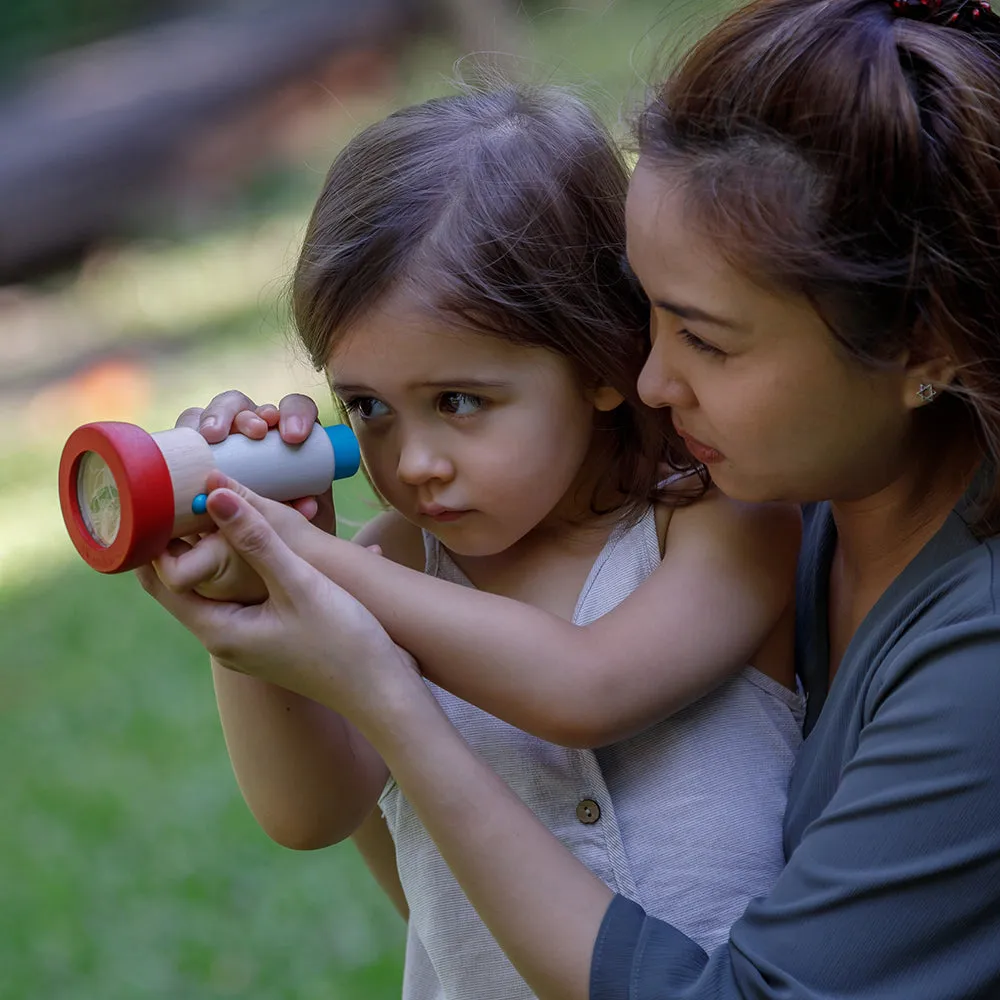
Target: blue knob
[{"x": 346, "y": 450}]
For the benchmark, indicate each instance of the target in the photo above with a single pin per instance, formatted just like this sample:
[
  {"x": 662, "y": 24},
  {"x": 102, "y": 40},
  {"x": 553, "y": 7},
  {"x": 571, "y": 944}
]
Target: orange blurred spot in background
[{"x": 113, "y": 389}]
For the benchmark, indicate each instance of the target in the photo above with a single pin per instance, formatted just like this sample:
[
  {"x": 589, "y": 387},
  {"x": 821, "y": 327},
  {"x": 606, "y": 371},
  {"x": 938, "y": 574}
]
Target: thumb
[
  {"x": 220, "y": 481},
  {"x": 253, "y": 538}
]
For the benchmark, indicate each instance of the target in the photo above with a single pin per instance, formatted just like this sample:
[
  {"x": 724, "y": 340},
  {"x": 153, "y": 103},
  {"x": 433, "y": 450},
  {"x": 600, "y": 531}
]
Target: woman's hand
[
  {"x": 308, "y": 636},
  {"x": 209, "y": 566}
]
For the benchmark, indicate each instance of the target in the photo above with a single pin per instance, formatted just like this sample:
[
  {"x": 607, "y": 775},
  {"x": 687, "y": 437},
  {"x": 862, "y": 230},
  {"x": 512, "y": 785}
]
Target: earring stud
[{"x": 927, "y": 392}]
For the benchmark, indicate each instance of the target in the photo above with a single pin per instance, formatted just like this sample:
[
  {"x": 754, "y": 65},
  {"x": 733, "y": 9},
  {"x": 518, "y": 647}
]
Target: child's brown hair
[{"x": 505, "y": 208}]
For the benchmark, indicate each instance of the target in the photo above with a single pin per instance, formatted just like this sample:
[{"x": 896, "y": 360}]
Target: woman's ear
[
  {"x": 927, "y": 380},
  {"x": 606, "y": 399}
]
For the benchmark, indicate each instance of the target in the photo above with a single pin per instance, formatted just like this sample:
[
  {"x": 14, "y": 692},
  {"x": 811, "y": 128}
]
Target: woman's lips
[{"x": 703, "y": 453}]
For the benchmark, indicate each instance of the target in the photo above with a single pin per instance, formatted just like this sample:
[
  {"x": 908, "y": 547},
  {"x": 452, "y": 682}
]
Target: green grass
[{"x": 129, "y": 865}]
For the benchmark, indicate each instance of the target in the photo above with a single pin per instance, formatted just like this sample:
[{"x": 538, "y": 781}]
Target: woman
[{"x": 815, "y": 217}]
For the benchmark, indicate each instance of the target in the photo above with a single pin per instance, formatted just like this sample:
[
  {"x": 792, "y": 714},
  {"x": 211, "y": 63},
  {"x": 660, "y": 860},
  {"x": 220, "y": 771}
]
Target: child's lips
[{"x": 440, "y": 514}]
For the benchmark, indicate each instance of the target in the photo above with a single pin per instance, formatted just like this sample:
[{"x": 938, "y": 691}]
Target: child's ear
[{"x": 606, "y": 399}]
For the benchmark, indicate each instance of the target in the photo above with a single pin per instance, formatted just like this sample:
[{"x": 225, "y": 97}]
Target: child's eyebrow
[
  {"x": 342, "y": 389},
  {"x": 462, "y": 382},
  {"x": 459, "y": 382}
]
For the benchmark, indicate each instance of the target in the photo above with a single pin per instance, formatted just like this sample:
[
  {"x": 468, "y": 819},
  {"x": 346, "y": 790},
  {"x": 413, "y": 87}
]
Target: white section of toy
[{"x": 268, "y": 466}]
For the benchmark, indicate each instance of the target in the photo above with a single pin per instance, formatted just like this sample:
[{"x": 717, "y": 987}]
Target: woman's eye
[
  {"x": 459, "y": 404},
  {"x": 366, "y": 407},
  {"x": 693, "y": 340}
]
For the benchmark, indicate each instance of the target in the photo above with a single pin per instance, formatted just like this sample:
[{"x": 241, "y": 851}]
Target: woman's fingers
[{"x": 209, "y": 621}]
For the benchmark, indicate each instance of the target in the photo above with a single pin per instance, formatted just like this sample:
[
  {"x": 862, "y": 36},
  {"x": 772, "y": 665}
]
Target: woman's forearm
[
  {"x": 309, "y": 777},
  {"x": 542, "y": 905}
]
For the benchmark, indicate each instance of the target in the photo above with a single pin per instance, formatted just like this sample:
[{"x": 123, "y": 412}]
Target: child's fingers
[
  {"x": 307, "y": 507},
  {"x": 191, "y": 417},
  {"x": 297, "y": 413},
  {"x": 268, "y": 412},
  {"x": 218, "y": 418},
  {"x": 250, "y": 423},
  {"x": 325, "y": 517}
]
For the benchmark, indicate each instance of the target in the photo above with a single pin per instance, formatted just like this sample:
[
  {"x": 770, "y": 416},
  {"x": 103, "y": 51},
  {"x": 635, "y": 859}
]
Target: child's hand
[{"x": 233, "y": 412}]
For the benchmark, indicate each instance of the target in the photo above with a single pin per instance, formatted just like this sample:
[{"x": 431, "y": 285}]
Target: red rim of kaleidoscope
[{"x": 145, "y": 491}]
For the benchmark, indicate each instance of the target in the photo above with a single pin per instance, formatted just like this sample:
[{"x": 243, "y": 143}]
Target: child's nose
[{"x": 420, "y": 462}]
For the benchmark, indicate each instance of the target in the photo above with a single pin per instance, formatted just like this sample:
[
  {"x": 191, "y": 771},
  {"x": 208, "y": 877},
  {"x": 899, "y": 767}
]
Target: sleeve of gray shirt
[{"x": 894, "y": 891}]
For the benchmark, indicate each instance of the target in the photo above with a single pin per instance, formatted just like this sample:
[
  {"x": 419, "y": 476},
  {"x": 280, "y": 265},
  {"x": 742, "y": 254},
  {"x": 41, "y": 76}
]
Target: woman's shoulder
[{"x": 945, "y": 618}]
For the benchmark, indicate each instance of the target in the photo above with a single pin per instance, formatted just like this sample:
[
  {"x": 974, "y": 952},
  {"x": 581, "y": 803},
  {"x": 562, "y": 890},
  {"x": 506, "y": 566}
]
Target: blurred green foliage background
[{"x": 129, "y": 865}]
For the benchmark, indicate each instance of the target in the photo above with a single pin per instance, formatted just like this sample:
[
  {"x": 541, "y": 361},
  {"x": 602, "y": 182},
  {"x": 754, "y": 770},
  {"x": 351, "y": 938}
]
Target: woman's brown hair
[
  {"x": 505, "y": 209},
  {"x": 843, "y": 150}
]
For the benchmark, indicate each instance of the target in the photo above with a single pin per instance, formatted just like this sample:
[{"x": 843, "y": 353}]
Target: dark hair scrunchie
[{"x": 962, "y": 14}]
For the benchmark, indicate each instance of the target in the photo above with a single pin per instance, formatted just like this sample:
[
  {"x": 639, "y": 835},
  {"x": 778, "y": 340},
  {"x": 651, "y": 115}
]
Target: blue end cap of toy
[
  {"x": 346, "y": 450},
  {"x": 199, "y": 504}
]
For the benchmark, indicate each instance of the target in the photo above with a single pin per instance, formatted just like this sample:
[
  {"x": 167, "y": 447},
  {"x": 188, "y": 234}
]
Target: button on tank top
[{"x": 684, "y": 818}]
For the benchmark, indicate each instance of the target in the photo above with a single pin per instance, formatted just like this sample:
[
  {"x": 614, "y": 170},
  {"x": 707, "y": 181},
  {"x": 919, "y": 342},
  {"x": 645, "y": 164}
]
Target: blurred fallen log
[{"x": 93, "y": 135}]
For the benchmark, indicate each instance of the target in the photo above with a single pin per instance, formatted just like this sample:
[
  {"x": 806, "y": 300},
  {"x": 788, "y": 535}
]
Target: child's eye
[
  {"x": 693, "y": 340},
  {"x": 460, "y": 404},
  {"x": 366, "y": 407}
]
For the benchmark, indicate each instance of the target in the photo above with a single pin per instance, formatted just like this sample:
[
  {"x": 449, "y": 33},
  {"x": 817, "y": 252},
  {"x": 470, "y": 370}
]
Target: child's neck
[{"x": 547, "y": 567}]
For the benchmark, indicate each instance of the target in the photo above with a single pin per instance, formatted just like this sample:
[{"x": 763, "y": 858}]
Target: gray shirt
[{"x": 892, "y": 830}]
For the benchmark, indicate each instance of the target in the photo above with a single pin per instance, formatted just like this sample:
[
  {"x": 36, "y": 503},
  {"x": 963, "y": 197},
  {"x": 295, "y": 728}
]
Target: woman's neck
[
  {"x": 878, "y": 536},
  {"x": 885, "y": 531}
]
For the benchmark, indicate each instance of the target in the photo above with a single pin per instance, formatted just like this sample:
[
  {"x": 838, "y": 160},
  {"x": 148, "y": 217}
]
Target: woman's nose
[
  {"x": 420, "y": 461},
  {"x": 661, "y": 382}
]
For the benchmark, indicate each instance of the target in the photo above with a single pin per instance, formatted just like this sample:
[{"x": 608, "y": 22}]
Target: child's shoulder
[
  {"x": 400, "y": 540},
  {"x": 763, "y": 533}
]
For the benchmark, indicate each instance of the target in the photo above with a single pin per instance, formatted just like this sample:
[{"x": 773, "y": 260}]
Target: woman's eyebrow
[{"x": 698, "y": 315}]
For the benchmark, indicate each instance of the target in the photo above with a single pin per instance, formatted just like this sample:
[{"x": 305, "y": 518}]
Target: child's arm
[
  {"x": 724, "y": 588},
  {"x": 376, "y": 847}
]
